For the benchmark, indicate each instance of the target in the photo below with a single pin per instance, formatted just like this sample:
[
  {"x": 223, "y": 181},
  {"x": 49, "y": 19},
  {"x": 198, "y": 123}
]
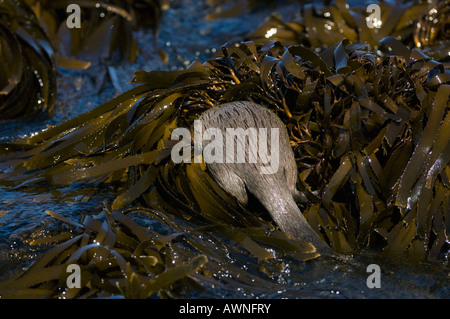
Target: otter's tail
[{"x": 290, "y": 219}]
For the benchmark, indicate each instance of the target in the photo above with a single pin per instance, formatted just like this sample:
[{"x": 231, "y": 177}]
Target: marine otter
[{"x": 276, "y": 191}]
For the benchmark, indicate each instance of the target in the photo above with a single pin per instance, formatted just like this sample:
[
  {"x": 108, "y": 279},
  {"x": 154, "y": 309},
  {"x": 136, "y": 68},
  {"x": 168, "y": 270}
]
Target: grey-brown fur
[{"x": 275, "y": 191}]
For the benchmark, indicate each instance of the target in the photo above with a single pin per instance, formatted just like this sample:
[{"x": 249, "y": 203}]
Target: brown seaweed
[
  {"x": 423, "y": 24},
  {"x": 115, "y": 256},
  {"x": 368, "y": 122},
  {"x": 105, "y": 33},
  {"x": 35, "y": 41},
  {"x": 118, "y": 257},
  {"x": 369, "y": 133},
  {"x": 27, "y": 64}
]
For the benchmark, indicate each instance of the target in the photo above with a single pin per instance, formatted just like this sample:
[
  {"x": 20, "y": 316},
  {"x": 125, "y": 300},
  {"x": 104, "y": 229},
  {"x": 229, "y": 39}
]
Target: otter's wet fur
[{"x": 275, "y": 191}]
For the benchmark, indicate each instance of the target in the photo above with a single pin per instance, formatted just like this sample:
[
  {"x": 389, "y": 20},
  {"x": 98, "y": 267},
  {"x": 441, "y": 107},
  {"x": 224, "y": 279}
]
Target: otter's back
[{"x": 241, "y": 118}]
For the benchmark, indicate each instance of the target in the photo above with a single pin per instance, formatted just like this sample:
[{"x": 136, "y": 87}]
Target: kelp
[
  {"x": 423, "y": 24},
  {"x": 117, "y": 257},
  {"x": 27, "y": 64},
  {"x": 221, "y": 9},
  {"x": 105, "y": 32},
  {"x": 369, "y": 126},
  {"x": 369, "y": 133},
  {"x": 36, "y": 40}
]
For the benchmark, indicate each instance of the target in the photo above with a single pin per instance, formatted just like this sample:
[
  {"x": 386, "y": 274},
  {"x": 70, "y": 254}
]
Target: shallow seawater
[{"x": 185, "y": 36}]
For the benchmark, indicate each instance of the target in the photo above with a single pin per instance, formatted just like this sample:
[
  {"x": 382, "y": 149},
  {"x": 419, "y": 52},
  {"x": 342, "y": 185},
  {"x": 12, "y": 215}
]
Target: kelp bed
[
  {"x": 36, "y": 41},
  {"x": 369, "y": 126}
]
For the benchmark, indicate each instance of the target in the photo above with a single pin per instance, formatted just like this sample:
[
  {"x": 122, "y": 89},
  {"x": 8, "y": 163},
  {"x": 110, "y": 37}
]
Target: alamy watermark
[
  {"x": 74, "y": 279},
  {"x": 374, "y": 279},
  {"x": 74, "y": 18},
  {"x": 374, "y": 19},
  {"x": 233, "y": 142}
]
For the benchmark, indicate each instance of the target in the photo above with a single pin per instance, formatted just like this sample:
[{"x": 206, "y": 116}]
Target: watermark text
[{"x": 235, "y": 145}]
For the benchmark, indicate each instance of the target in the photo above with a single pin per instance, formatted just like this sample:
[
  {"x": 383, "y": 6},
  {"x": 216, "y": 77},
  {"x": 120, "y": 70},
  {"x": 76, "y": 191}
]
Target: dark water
[{"x": 185, "y": 36}]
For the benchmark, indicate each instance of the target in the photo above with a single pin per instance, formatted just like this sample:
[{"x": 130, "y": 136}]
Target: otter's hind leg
[{"x": 229, "y": 181}]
